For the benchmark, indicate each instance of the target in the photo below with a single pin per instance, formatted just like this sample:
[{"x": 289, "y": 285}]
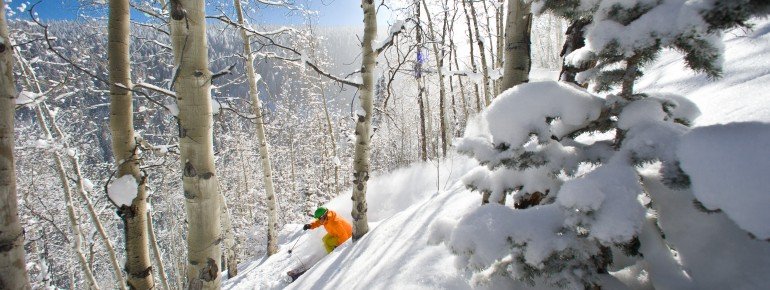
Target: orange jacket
[{"x": 335, "y": 226}]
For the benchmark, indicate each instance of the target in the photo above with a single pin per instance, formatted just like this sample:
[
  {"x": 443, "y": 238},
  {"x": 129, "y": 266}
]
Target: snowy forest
[{"x": 465, "y": 144}]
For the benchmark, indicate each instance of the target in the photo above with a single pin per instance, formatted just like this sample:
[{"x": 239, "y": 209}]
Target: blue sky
[{"x": 330, "y": 12}]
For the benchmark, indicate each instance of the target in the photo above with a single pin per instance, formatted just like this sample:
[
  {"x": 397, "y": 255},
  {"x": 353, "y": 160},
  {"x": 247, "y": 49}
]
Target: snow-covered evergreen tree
[{"x": 576, "y": 164}]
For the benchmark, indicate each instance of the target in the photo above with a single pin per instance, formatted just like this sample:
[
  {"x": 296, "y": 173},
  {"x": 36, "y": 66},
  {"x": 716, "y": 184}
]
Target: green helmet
[{"x": 320, "y": 212}]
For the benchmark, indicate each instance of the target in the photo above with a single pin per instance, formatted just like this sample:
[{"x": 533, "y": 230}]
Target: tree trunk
[
  {"x": 157, "y": 253},
  {"x": 482, "y": 53},
  {"x": 500, "y": 41},
  {"x": 97, "y": 222},
  {"x": 423, "y": 134},
  {"x": 473, "y": 57},
  {"x": 460, "y": 81},
  {"x": 77, "y": 244},
  {"x": 573, "y": 41},
  {"x": 333, "y": 139},
  {"x": 629, "y": 77},
  {"x": 264, "y": 154},
  {"x": 13, "y": 271},
  {"x": 491, "y": 49},
  {"x": 421, "y": 87},
  {"x": 199, "y": 181},
  {"x": 124, "y": 148},
  {"x": 517, "y": 44},
  {"x": 41, "y": 112},
  {"x": 229, "y": 238},
  {"x": 364, "y": 122},
  {"x": 442, "y": 90}
]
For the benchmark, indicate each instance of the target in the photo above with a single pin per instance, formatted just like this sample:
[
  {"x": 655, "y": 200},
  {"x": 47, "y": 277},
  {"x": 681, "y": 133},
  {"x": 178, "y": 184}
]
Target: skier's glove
[{"x": 306, "y": 227}]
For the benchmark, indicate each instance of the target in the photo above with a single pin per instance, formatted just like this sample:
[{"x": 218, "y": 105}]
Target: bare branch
[{"x": 272, "y": 42}]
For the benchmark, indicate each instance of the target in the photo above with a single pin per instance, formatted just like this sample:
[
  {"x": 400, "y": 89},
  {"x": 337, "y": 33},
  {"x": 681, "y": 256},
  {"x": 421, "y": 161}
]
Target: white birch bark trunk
[
  {"x": 517, "y": 44},
  {"x": 363, "y": 129},
  {"x": 124, "y": 148},
  {"x": 264, "y": 154},
  {"x": 13, "y": 272},
  {"x": 199, "y": 181}
]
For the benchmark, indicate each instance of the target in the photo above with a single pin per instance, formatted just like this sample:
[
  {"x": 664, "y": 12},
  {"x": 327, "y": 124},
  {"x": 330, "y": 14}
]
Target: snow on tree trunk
[
  {"x": 124, "y": 147},
  {"x": 264, "y": 154},
  {"x": 363, "y": 129},
  {"x": 199, "y": 181},
  {"x": 13, "y": 271},
  {"x": 517, "y": 44}
]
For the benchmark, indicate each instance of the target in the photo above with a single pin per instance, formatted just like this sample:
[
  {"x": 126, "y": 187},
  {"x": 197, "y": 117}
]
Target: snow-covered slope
[
  {"x": 403, "y": 205},
  {"x": 412, "y": 215}
]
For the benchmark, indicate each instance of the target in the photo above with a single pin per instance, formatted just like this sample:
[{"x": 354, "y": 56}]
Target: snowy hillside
[{"x": 415, "y": 216}]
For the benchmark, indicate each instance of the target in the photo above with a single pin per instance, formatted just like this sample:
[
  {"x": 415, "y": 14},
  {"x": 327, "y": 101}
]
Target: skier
[{"x": 338, "y": 230}]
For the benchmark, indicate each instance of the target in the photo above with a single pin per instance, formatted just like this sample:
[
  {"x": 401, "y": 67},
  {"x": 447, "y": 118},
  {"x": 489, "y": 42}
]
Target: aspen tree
[
  {"x": 13, "y": 272},
  {"x": 363, "y": 129},
  {"x": 192, "y": 83},
  {"x": 500, "y": 42},
  {"x": 421, "y": 89},
  {"x": 439, "y": 66},
  {"x": 517, "y": 44},
  {"x": 264, "y": 154},
  {"x": 41, "y": 113},
  {"x": 156, "y": 252},
  {"x": 453, "y": 56},
  {"x": 482, "y": 54},
  {"x": 124, "y": 147},
  {"x": 473, "y": 57},
  {"x": 229, "y": 238}
]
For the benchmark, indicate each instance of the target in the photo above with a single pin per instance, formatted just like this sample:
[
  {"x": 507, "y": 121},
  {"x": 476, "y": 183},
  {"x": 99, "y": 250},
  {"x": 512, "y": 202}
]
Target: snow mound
[
  {"x": 720, "y": 160},
  {"x": 517, "y": 112}
]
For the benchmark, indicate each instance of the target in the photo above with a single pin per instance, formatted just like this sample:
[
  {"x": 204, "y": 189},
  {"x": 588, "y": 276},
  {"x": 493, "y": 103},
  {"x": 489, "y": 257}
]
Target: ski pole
[{"x": 295, "y": 244}]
